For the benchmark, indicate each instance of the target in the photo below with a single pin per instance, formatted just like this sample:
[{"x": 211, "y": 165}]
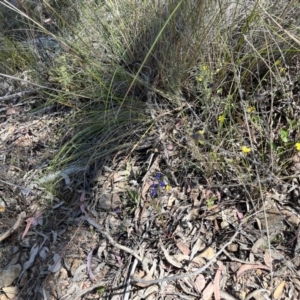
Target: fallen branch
[
  {"x": 20, "y": 94},
  {"x": 10, "y": 231}
]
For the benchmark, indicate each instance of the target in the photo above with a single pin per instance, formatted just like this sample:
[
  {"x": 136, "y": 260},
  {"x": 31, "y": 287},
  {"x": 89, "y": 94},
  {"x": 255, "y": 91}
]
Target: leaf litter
[{"x": 171, "y": 231}]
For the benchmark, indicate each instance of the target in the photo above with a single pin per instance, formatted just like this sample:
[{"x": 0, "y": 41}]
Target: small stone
[
  {"x": 8, "y": 276},
  {"x": 11, "y": 292},
  {"x": 109, "y": 202},
  {"x": 233, "y": 248}
]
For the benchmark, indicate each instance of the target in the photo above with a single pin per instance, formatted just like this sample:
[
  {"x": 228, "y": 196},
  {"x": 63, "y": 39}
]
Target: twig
[
  {"x": 258, "y": 293},
  {"x": 239, "y": 260},
  {"x": 78, "y": 294},
  {"x": 20, "y": 94},
  {"x": 226, "y": 296},
  {"x": 176, "y": 277},
  {"x": 10, "y": 231},
  {"x": 111, "y": 240},
  {"x": 128, "y": 283}
]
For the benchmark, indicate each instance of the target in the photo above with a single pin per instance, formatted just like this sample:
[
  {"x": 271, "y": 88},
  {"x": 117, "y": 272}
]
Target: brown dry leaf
[
  {"x": 217, "y": 282},
  {"x": 208, "y": 292},
  {"x": 144, "y": 215},
  {"x": 195, "y": 197},
  {"x": 145, "y": 189},
  {"x": 279, "y": 290},
  {"x": 170, "y": 258},
  {"x": 268, "y": 259},
  {"x": 184, "y": 248},
  {"x": 2, "y": 205},
  {"x": 246, "y": 267},
  {"x": 199, "y": 283},
  {"x": 118, "y": 176},
  {"x": 239, "y": 212},
  {"x": 291, "y": 217},
  {"x": 208, "y": 253}
]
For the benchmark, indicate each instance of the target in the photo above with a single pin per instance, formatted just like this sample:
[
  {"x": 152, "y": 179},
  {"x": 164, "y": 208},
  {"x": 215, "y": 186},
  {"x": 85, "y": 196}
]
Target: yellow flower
[
  {"x": 168, "y": 187},
  {"x": 221, "y": 118},
  {"x": 250, "y": 109},
  {"x": 282, "y": 70},
  {"x": 246, "y": 149},
  {"x": 219, "y": 91},
  {"x": 204, "y": 68},
  {"x": 277, "y": 62},
  {"x": 297, "y": 145},
  {"x": 200, "y": 79}
]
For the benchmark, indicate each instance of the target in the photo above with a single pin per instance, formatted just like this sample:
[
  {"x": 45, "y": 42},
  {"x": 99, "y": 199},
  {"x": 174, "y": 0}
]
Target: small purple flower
[
  {"x": 162, "y": 184},
  {"x": 26, "y": 192},
  {"x": 153, "y": 189},
  {"x": 158, "y": 176}
]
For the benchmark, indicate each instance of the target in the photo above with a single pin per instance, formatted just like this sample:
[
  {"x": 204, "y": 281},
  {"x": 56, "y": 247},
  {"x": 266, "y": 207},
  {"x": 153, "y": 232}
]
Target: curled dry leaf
[
  {"x": 56, "y": 265},
  {"x": 217, "y": 282},
  {"x": 88, "y": 266},
  {"x": 33, "y": 252},
  {"x": 260, "y": 294},
  {"x": 43, "y": 252},
  {"x": 33, "y": 221},
  {"x": 239, "y": 212},
  {"x": 170, "y": 258},
  {"x": 246, "y": 267}
]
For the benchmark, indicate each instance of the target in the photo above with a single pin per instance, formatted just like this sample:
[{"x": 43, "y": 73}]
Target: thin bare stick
[
  {"x": 128, "y": 283},
  {"x": 176, "y": 277},
  {"x": 111, "y": 240},
  {"x": 11, "y": 230}
]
